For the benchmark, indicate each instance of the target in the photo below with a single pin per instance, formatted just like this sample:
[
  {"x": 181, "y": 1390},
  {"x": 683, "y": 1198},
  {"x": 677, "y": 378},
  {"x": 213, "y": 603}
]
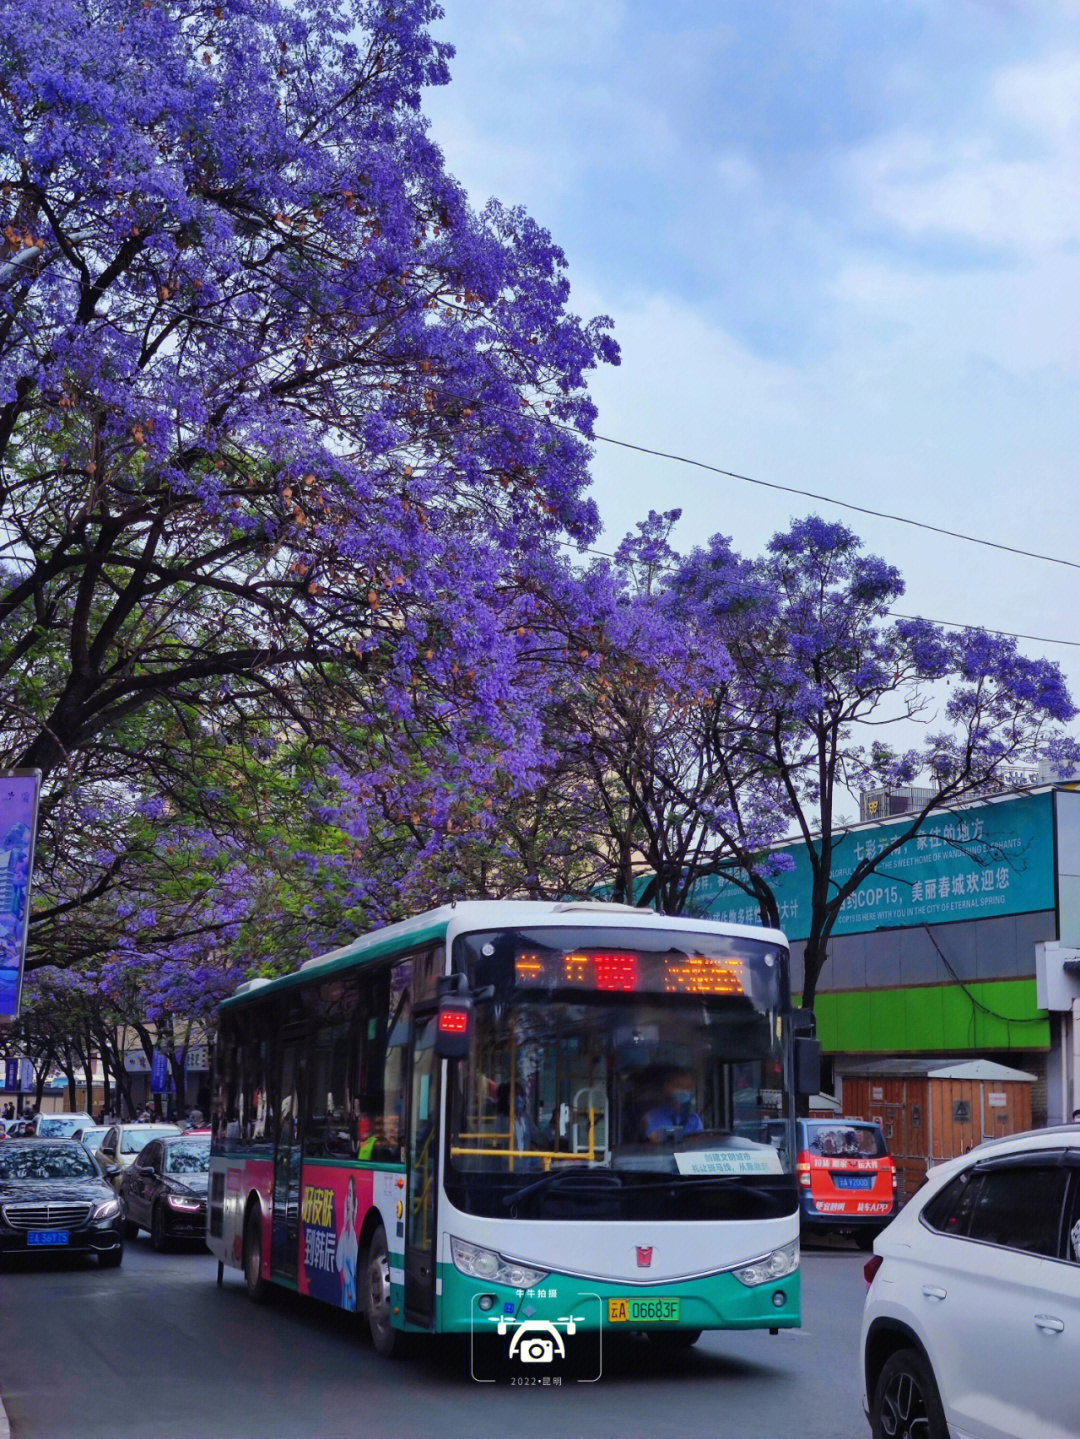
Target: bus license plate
[
  {"x": 47, "y": 1236},
  {"x": 643, "y": 1311}
]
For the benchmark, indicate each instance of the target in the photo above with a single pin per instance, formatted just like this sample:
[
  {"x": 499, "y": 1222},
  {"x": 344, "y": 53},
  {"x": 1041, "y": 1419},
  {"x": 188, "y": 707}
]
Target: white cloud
[{"x": 981, "y": 186}]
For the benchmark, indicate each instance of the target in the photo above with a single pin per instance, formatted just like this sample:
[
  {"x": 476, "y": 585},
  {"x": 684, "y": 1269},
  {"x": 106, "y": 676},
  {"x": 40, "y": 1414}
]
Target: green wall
[{"x": 938, "y": 1018}]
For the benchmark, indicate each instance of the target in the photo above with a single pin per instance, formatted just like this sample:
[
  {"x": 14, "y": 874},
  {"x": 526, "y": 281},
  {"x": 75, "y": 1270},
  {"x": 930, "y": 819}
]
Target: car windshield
[
  {"x": 134, "y": 1140},
  {"x": 833, "y": 1139},
  {"x": 190, "y": 1157},
  {"x": 46, "y": 1161},
  {"x": 621, "y": 1081},
  {"x": 60, "y": 1126}
]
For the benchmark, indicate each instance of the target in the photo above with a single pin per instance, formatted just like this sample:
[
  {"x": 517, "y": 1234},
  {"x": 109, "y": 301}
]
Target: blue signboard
[
  {"x": 985, "y": 860},
  {"x": 11, "y": 1074},
  {"x": 18, "y": 823}
]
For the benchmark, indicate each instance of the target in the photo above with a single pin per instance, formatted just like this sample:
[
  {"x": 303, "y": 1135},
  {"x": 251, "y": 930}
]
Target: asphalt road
[{"x": 155, "y": 1350}]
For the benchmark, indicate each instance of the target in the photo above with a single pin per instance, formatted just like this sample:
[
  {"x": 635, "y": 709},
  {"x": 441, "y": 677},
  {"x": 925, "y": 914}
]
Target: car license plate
[
  {"x": 47, "y": 1236},
  {"x": 853, "y": 1181},
  {"x": 643, "y": 1311}
]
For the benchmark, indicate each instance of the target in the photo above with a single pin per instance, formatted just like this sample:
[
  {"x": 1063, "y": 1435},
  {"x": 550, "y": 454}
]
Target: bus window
[
  {"x": 396, "y": 1065},
  {"x": 248, "y": 1117},
  {"x": 329, "y": 1124}
]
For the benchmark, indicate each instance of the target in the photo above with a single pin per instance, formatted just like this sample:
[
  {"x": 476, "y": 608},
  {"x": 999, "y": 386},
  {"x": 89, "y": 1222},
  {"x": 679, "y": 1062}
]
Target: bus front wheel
[
  {"x": 253, "y": 1275},
  {"x": 384, "y": 1336}
]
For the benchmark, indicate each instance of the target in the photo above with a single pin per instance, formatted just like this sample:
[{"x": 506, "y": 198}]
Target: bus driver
[{"x": 675, "y": 1111}]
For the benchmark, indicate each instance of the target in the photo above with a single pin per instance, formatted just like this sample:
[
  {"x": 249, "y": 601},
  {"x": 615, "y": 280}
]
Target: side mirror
[
  {"x": 112, "y": 1170},
  {"x": 453, "y": 1030},
  {"x": 807, "y": 1064}
]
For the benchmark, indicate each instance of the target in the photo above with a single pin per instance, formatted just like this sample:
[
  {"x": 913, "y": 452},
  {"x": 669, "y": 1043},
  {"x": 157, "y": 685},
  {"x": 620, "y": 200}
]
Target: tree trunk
[{"x": 177, "y": 1070}]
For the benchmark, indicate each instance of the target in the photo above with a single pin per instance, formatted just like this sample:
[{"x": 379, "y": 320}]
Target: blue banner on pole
[
  {"x": 159, "y": 1074},
  {"x": 11, "y": 1074},
  {"x": 18, "y": 824}
]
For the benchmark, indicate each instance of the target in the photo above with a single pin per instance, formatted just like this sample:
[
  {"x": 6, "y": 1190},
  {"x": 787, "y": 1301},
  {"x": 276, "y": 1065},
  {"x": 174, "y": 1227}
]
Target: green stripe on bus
[
  {"x": 313, "y": 1161},
  {"x": 401, "y": 944}
]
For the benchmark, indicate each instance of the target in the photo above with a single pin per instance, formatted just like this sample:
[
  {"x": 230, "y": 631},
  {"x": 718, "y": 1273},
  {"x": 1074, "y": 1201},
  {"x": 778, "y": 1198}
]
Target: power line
[
  {"x": 1006, "y": 634},
  {"x": 896, "y": 615},
  {"x": 842, "y": 504},
  {"x": 976, "y": 1003}
]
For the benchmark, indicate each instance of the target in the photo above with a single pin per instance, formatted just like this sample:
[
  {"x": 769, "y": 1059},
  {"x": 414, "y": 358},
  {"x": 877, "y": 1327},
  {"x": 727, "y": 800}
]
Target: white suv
[{"x": 971, "y": 1328}]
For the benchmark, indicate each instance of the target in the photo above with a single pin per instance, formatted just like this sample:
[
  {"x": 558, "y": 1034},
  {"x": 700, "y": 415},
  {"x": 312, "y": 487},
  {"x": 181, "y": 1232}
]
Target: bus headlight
[
  {"x": 485, "y": 1264},
  {"x": 776, "y": 1265}
]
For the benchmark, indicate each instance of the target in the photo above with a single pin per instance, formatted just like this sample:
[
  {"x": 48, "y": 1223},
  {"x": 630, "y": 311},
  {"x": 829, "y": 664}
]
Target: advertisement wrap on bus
[{"x": 508, "y": 1114}]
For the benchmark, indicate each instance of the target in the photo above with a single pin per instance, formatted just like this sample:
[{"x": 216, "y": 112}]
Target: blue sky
[{"x": 841, "y": 246}]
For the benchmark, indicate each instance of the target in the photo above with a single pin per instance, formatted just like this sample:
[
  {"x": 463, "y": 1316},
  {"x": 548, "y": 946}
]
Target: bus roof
[{"x": 448, "y": 920}]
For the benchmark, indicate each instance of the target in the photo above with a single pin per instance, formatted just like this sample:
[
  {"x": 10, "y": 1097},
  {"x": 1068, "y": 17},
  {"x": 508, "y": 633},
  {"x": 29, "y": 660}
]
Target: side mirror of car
[{"x": 112, "y": 1170}]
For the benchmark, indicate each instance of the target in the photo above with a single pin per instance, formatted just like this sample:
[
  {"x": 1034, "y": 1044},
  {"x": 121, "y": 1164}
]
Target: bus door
[
  {"x": 423, "y": 1173},
  {"x": 285, "y": 1231}
]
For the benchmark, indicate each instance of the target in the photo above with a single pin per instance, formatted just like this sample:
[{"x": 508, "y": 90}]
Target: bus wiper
[{"x": 611, "y": 1181}]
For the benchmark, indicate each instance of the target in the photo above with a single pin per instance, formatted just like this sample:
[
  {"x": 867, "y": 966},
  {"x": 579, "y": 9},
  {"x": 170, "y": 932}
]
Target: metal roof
[{"x": 945, "y": 1068}]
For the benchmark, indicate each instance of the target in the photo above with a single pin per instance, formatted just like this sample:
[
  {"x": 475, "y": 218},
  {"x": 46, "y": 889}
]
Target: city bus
[{"x": 502, "y": 1112}]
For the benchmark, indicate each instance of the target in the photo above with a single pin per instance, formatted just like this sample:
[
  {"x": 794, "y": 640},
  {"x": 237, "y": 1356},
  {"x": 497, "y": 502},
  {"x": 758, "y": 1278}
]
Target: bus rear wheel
[
  {"x": 253, "y": 1276},
  {"x": 376, "y": 1291}
]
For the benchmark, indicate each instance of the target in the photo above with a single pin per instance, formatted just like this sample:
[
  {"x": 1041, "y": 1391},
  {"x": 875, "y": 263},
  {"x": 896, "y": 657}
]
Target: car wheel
[
  {"x": 384, "y": 1336},
  {"x": 159, "y": 1236},
  {"x": 906, "y": 1400},
  {"x": 111, "y": 1258},
  {"x": 673, "y": 1341},
  {"x": 256, "y": 1285}
]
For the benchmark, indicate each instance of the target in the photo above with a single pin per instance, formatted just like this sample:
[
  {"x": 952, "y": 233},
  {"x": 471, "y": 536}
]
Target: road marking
[{"x": 5, "y": 1427}]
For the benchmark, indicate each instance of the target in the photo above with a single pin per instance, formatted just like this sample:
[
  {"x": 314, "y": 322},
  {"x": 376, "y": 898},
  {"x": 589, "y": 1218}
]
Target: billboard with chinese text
[
  {"x": 986, "y": 860},
  {"x": 18, "y": 822}
]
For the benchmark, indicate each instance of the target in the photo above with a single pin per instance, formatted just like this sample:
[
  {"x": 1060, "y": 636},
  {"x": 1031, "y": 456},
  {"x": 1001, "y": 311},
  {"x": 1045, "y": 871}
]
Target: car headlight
[
  {"x": 106, "y": 1209},
  {"x": 776, "y": 1265},
  {"x": 181, "y": 1201},
  {"x": 485, "y": 1264}
]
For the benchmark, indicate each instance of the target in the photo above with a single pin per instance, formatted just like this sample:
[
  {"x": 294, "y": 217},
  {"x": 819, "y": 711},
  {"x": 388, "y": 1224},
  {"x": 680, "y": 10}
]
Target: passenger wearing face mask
[{"x": 675, "y": 1111}]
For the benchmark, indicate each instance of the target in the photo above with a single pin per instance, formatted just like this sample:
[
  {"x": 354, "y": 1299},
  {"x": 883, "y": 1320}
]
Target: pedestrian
[{"x": 1076, "y": 1116}]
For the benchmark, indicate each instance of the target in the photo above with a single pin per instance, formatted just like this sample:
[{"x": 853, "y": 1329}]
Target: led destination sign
[{"x": 629, "y": 972}]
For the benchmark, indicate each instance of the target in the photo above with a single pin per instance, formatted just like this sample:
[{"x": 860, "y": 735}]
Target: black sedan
[
  {"x": 53, "y": 1197},
  {"x": 164, "y": 1191}
]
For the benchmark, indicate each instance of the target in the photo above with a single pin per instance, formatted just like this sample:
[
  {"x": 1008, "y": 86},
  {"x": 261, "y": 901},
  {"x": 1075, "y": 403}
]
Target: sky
[{"x": 840, "y": 243}]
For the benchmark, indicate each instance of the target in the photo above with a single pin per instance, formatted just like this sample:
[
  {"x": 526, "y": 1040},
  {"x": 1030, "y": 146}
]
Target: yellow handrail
[{"x": 544, "y": 1155}]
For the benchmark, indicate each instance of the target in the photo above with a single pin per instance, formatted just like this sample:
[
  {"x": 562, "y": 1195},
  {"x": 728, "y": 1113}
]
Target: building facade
[{"x": 966, "y": 942}]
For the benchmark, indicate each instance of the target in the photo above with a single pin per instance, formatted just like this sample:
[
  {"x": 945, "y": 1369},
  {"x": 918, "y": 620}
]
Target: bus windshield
[{"x": 632, "y": 1074}]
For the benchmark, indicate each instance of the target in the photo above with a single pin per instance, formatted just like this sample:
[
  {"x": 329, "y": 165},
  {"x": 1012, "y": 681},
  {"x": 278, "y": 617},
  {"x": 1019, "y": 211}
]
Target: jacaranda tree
[
  {"x": 826, "y": 693},
  {"x": 287, "y": 429}
]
